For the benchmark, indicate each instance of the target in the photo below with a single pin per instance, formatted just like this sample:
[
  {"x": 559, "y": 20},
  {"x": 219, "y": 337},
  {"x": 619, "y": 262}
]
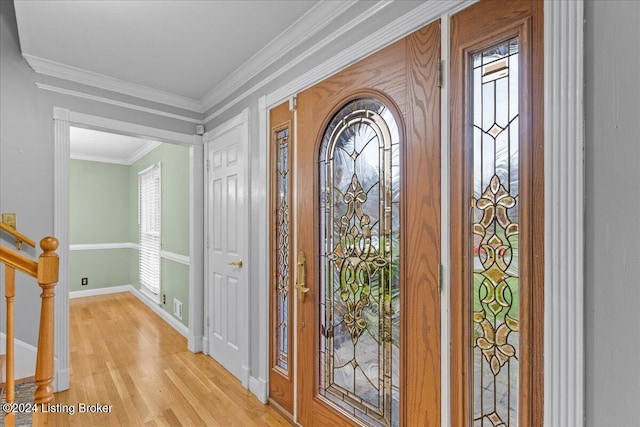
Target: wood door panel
[
  {"x": 383, "y": 71},
  {"x": 422, "y": 345},
  {"x": 474, "y": 29},
  {"x": 404, "y": 77},
  {"x": 281, "y": 381}
]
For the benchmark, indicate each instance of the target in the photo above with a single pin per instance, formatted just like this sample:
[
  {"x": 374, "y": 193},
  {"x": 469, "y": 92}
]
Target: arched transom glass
[{"x": 359, "y": 168}]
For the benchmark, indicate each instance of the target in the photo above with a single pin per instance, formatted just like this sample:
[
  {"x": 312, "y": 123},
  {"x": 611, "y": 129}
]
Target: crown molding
[
  {"x": 101, "y": 81},
  {"x": 117, "y": 103},
  {"x": 395, "y": 30},
  {"x": 309, "y": 24},
  {"x": 145, "y": 149}
]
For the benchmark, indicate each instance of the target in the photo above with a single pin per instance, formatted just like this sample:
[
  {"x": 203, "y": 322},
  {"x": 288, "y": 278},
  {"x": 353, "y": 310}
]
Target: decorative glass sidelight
[
  {"x": 495, "y": 235},
  {"x": 282, "y": 250},
  {"x": 359, "y": 312}
]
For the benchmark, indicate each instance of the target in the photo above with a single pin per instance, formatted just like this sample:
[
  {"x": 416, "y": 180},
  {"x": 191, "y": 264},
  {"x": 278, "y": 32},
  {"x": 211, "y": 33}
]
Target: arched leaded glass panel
[{"x": 359, "y": 165}]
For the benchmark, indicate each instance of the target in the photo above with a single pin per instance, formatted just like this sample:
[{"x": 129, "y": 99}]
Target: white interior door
[{"x": 227, "y": 247}]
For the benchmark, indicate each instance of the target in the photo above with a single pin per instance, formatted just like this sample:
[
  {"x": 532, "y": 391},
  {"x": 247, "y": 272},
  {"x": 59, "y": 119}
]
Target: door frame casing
[
  {"x": 242, "y": 121},
  {"x": 63, "y": 119},
  {"x": 564, "y": 183}
]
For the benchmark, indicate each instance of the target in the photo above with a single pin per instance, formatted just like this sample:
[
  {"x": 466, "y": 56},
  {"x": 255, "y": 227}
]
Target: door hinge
[
  {"x": 439, "y": 277},
  {"x": 207, "y": 321},
  {"x": 207, "y": 243},
  {"x": 208, "y": 165},
  {"x": 440, "y": 67},
  {"x": 293, "y": 103}
]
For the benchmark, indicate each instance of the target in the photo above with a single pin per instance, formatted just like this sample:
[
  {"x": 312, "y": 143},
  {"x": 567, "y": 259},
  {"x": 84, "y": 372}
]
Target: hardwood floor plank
[{"x": 124, "y": 355}]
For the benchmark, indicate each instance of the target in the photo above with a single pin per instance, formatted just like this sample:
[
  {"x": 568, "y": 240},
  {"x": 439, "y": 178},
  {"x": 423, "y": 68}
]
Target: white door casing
[{"x": 227, "y": 242}]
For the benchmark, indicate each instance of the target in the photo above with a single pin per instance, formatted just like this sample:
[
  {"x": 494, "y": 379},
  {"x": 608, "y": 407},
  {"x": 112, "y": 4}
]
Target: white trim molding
[
  {"x": 195, "y": 341},
  {"x": 153, "y": 305},
  {"x": 260, "y": 197},
  {"x": 90, "y": 78},
  {"x": 61, "y": 117},
  {"x": 110, "y": 101},
  {"x": 564, "y": 213},
  {"x": 172, "y": 256},
  {"x": 100, "y": 291},
  {"x": 102, "y": 246},
  {"x": 24, "y": 358},
  {"x": 309, "y": 24},
  {"x": 395, "y": 30},
  {"x": 130, "y": 129},
  {"x": 260, "y": 389}
]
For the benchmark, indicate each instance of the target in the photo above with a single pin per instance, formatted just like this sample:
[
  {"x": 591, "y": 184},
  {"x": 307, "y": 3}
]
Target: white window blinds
[{"x": 149, "y": 219}]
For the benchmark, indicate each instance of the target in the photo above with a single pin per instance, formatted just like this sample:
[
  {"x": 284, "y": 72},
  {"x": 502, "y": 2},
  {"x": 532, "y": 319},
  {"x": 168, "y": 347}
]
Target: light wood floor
[{"x": 124, "y": 355}]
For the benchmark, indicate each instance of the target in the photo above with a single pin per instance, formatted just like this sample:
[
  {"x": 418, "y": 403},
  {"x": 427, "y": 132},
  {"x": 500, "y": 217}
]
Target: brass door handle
[
  {"x": 302, "y": 274},
  {"x": 237, "y": 264}
]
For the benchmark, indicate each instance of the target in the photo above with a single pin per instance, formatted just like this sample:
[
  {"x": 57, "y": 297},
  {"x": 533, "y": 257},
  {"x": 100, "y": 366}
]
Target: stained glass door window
[
  {"x": 359, "y": 166},
  {"x": 495, "y": 235},
  {"x": 282, "y": 250}
]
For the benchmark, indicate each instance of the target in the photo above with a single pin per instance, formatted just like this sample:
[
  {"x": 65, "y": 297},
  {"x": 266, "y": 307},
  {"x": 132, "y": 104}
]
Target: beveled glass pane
[
  {"x": 359, "y": 263},
  {"x": 282, "y": 251},
  {"x": 495, "y": 236}
]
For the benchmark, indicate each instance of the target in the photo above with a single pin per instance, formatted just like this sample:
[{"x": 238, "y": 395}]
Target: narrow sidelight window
[
  {"x": 282, "y": 237},
  {"x": 496, "y": 285}
]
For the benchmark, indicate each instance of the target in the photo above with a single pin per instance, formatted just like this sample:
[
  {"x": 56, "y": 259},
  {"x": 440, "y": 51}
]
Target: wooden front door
[{"x": 368, "y": 240}]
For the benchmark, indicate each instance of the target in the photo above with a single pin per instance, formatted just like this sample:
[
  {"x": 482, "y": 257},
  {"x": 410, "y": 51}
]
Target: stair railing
[{"x": 46, "y": 273}]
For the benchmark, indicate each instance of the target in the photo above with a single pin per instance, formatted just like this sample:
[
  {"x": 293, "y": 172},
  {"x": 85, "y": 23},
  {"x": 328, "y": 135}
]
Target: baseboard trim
[
  {"x": 245, "y": 377},
  {"x": 61, "y": 380},
  {"x": 182, "y": 330},
  {"x": 260, "y": 388},
  {"x": 194, "y": 343},
  {"x": 100, "y": 291},
  {"x": 173, "y": 322},
  {"x": 25, "y": 357}
]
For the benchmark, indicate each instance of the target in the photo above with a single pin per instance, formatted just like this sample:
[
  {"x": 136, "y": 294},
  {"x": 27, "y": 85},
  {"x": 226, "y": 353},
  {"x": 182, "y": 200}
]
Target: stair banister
[{"x": 46, "y": 273}]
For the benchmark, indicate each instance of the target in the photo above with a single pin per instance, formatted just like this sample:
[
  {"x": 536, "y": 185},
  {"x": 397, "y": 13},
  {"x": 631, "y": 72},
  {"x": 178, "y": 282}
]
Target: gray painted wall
[
  {"x": 612, "y": 240},
  {"x": 27, "y": 148}
]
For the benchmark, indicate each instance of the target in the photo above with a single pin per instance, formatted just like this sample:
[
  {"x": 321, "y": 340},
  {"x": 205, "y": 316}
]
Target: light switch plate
[{"x": 9, "y": 219}]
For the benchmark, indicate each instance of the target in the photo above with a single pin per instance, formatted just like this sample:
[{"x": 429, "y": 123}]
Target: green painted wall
[
  {"x": 98, "y": 213},
  {"x": 103, "y": 268},
  {"x": 98, "y": 205},
  {"x": 175, "y": 284},
  {"x": 174, "y": 164}
]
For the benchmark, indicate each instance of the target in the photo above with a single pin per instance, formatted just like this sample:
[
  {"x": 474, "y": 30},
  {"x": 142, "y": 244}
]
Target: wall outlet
[
  {"x": 177, "y": 308},
  {"x": 84, "y": 281}
]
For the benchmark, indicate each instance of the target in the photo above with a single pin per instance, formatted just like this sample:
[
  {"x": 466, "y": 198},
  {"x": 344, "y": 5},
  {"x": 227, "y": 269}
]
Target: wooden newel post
[{"x": 47, "y": 279}]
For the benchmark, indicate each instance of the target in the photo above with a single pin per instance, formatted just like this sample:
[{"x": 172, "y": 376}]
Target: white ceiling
[
  {"x": 184, "y": 53},
  {"x": 183, "y": 48},
  {"x": 93, "y": 145}
]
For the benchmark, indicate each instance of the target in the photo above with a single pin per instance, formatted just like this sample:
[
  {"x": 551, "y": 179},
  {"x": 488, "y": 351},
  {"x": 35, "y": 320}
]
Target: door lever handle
[
  {"x": 237, "y": 264},
  {"x": 301, "y": 287}
]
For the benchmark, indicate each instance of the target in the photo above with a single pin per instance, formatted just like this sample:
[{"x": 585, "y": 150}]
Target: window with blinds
[{"x": 149, "y": 216}]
